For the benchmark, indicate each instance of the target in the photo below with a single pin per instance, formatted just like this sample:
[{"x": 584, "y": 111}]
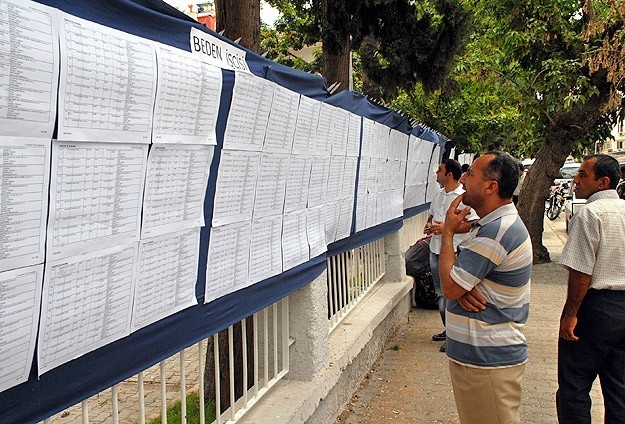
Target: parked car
[{"x": 567, "y": 173}]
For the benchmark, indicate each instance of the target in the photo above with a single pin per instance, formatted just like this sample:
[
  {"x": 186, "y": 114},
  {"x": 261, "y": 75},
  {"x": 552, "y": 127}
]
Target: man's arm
[
  {"x": 446, "y": 261},
  {"x": 469, "y": 300},
  {"x": 577, "y": 287},
  {"x": 454, "y": 219}
]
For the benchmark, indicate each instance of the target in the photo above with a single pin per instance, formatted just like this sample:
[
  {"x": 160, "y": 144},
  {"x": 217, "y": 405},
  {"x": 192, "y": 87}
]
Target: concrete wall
[{"x": 326, "y": 369}]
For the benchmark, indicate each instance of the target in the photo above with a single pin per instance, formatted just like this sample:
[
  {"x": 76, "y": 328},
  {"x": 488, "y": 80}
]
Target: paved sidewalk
[{"x": 410, "y": 381}]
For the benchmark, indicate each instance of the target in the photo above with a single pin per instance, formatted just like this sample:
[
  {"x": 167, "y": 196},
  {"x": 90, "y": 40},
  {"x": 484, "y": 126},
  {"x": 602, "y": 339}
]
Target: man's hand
[
  {"x": 456, "y": 219},
  {"x": 472, "y": 301},
  {"x": 567, "y": 325},
  {"x": 437, "y": 227}
]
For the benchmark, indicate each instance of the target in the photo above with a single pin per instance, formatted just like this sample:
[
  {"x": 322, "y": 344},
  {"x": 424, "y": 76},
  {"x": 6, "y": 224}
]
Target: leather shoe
[
  {"x": 439, "y": 337},
  {"x": 443, "y": 348}
]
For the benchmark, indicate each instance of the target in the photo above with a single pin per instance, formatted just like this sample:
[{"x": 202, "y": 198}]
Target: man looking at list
[
  {"x": 488, "y": 290},
  {"x": 447, "y": 176}
]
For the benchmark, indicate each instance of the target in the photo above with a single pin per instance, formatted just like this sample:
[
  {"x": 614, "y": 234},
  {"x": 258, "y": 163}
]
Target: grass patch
[
  {"x": 174, "y": 414},
  {"x": 394, "y": 347}
]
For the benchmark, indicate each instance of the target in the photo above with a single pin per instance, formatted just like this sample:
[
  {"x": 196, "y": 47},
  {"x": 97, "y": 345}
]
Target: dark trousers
[
  {"x": 436, "y": 279},
  {"x": 600, "y": 351}
]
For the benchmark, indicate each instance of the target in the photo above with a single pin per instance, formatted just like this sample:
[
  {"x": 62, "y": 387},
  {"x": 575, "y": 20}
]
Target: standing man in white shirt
[
  {"x": 592, "y": 327},
  {"x": 447, "y": 175}
]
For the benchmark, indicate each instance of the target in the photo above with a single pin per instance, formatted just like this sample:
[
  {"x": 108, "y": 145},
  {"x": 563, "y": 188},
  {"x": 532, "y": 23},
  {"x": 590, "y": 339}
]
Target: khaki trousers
[{"x": 485, "y": 396}]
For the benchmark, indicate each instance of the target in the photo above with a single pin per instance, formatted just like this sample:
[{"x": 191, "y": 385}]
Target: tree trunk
[
  {"x": 566, "y": 128},
  {"x": 535, "y": 190},
  {"x": 336, "y": 66},
  {"x": 240, "y": 19},
  {"x": 224, "y": 367},
  {"x": 336, "y": 47}
]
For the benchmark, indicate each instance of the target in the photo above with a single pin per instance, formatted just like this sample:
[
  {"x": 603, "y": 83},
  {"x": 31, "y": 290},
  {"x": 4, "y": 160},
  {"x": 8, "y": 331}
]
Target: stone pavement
[{"x": 410, "y": 381}]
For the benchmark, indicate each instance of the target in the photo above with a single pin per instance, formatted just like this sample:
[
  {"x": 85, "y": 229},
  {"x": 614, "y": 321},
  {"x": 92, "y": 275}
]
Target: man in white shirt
[
  {"x": 592, "y": 327},
  {"x": 447, "y": 176}
]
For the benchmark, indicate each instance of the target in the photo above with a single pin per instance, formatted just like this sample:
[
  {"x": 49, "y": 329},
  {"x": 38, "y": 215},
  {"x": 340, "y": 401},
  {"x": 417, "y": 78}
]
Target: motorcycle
[{"x": 555, "y": 201}]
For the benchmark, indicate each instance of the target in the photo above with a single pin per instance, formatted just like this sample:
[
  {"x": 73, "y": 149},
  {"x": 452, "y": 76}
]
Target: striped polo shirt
[{"x": 497, "y": 260}]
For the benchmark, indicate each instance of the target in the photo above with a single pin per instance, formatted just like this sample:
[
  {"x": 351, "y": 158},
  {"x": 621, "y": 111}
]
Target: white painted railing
[
  {"x": 148, "y": 394},
  {"x": 350, "y": 276}
]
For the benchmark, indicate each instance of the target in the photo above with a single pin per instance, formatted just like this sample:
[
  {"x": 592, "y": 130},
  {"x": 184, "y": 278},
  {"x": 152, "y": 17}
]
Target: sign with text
[{"x": 212, "y": 50}]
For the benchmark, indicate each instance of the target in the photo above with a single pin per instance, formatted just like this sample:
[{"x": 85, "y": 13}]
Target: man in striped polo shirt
[{"x": 488, "y": 290}]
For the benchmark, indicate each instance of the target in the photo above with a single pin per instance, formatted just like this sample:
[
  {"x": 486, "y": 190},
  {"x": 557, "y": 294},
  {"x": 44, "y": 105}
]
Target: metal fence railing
[
  {"x": 242, "y": 363},
  {"x": 350, "y": 276}
]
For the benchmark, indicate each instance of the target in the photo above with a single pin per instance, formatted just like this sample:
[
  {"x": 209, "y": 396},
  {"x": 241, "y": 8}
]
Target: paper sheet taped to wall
[
  {"x": 24, "y": 198},
  {"x": 19, "y": 318},
  {"x": 177, "y": 176},
  {"x": 86, "y": 304},
  {"x": 29, "y": 66},
  {"x": 167, "y": 272},
  {"x": 96, "y": 194},
  {"x": 187, "y": 98},
  {"x": 108, "y": 84}
]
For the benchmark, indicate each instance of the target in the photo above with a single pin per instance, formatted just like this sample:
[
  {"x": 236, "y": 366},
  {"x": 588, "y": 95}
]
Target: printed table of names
[
  {"x": 23, "y": 201},
  {"x": 20, "y": 295},
  {"x": 107, "y": 85},
  {"x": 28, "y": 69},
  {"x": 87, "y": 303},
  {"x": 167, "y": 276},
  {"x": 175, "y": 186},
  {"x": 95, "y": 196}
]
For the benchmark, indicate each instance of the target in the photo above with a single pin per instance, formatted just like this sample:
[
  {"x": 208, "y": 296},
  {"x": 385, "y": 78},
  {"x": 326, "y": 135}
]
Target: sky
[{"x": 267, "y": 13}]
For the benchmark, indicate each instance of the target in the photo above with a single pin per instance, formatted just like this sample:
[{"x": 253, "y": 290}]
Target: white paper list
[
  {"x": 340, "y": 123},
  {"x": 306, "y": 126},
  {"x": 372, "y": 217},
  {"x": 294, "y": 240},
  {"x": 318, "y": 188},
  {"x": 325, "y": 129},
  {"x": 315, "y": 223},
  {"x": 19, "y": 318},
  {"x": 298, "y": 179},
  {"x": 282, "y": 120},
  {"x": 335, "y": 178},
  {"x": 175, "y": 186},
  {"x": 349, "y": 178},
  {"x": 86, "y": 304},
  {"x": 249, "y": 113},
  {"x": 96, "y": 193},
  {"x": 265, "y": 248},
  {"x": 187, "y": 98},
  {"x": 353, "y": 138},
  {"x": 271, "y": 184},
  {"x": 332, "y": 211},
  {"x": 167, "y": 273},
  {"x": 108, "y": 84},
  {"x": 228, "y": 256},
  {"x": 361, "y": 211},
  {"x": 24, "y": 177},
  {"x": 236, "y": 185},
  {"x": 345, "y": 218},
  {"x": 29, "y": 62}
]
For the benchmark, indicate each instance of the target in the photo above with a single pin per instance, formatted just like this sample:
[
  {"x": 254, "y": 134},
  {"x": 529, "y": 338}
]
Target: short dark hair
[
  {"x": 606, "y": 166},
  {"x": 465, "y": 167},
  {"x": 505, "y": 170},
  {"x": 453, "y": 166},
  {"x": 623, "y": 168}
]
